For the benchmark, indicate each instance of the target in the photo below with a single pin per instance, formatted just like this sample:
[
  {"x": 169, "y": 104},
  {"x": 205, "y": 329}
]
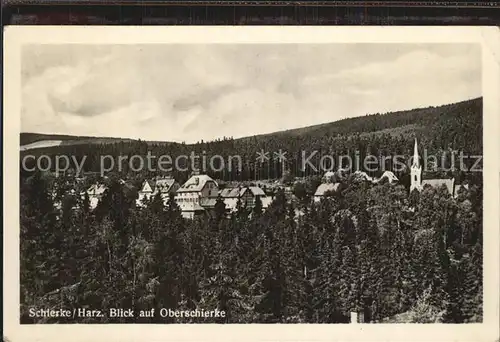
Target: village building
[
  {"x": 418, "y": 184},
  {"x": 197, "y": 194},
  {"x": 325, "y": 189},
  {"x": 230, "y": 197},
  {"x": 387, "y": 175},
  {"x": 95, "y": 193},
  {"x": 328, "y": 186},
  {"x": 459, "y": 188},
  {"x": 160, "y": 185},
  {"x": 246, "y": 195},
  {"x": 288, "y": 190},
  {"x": 360, "y": 176},
  {"x": 328, "y": 177},
  {"x": 57, "y": 195},
  {"x": 249, "y": 195}
]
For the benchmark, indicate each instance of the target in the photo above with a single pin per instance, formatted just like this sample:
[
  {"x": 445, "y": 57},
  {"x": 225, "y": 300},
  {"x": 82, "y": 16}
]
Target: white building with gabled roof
[
  {"x": 324, "y": 189},
  {"x": 194, "y": 193},
  {"x": 389, "y": 176},
  {"x": 246, "y": 195},
  {"x": 161, "y": 185}
]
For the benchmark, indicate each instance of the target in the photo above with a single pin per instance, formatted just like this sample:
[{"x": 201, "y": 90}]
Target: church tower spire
[
  {"x": 416, "y": 162},
  {"x": 416, "y": 170}
]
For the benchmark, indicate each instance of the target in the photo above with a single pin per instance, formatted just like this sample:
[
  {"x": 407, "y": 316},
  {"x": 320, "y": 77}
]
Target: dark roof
[
  {"x": 208, "y": 202},
  {"x": 161, "y": 184},
  {"x": 239, "y": 191},
  {"x": 165, "y": 184},
  {"x": 196, "y": 183},
  {"x": 256, "y": 191},
  {"x": 230, "y": 192}
]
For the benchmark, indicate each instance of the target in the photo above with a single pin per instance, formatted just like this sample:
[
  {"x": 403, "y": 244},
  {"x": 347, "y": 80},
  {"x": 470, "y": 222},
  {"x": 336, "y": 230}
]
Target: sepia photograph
[{"x": 247, "y": 182}]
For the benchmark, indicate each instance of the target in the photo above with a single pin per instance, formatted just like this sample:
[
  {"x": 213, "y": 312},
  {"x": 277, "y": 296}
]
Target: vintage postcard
[{"x": 251, "y": 183}]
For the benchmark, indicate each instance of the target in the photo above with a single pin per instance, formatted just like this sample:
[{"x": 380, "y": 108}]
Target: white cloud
[{"x": 188, "y": 93}]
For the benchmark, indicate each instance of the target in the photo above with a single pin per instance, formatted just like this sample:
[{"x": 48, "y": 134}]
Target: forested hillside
[
  {"x": 440, "y": 130},
  {"x": 364, "y": 250},
  {"x": 370, "y": 248}
]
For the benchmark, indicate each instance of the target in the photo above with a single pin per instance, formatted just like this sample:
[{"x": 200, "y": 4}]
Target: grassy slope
[{"x": 31, "y": 138}]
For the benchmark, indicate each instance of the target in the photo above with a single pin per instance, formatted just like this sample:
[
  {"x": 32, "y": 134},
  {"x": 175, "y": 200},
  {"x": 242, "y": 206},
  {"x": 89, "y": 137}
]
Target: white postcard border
[{"x": 16, "y": 36}]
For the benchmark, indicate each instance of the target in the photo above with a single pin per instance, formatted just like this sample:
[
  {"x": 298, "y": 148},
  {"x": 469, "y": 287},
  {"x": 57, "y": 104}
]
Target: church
[{"x": 419, "y": 184}]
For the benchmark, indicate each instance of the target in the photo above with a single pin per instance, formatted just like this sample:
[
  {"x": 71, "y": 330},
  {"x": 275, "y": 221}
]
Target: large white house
[{"x": 197, "y": 192}]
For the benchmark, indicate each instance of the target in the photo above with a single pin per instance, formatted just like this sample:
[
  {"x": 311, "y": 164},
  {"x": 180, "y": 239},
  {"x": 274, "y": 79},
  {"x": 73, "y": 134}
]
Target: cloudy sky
[{"x": 192, "y": 92}]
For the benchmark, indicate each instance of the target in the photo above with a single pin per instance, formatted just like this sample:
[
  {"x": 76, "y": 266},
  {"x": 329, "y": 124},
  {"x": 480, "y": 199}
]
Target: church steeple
[
  {"x": 416, "y": 170},
  {"x": 415, "y": 162}
]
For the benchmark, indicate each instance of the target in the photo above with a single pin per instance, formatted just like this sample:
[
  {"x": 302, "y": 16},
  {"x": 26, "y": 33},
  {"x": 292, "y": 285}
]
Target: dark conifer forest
[
  {"x": 440, "y": 130},
  {"x": 371, "y": 249}
]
